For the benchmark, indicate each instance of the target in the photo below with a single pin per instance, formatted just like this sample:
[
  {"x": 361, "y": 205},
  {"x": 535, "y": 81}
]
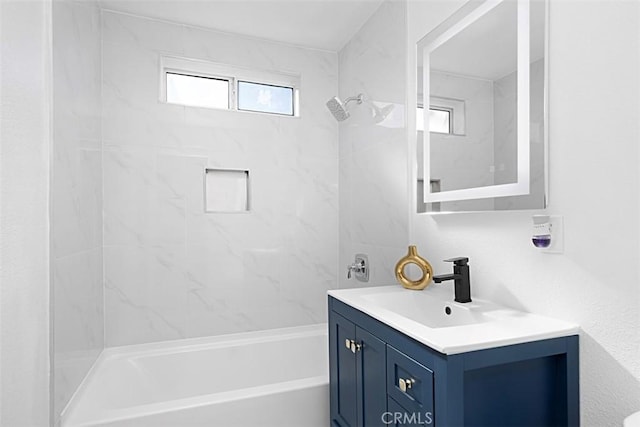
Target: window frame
[{"x": 233, "y": 75}]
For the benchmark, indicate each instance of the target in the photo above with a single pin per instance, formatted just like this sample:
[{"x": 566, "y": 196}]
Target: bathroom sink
[
  {"x": 432, "y": 317},
  {"x": 429, "y": 310}
]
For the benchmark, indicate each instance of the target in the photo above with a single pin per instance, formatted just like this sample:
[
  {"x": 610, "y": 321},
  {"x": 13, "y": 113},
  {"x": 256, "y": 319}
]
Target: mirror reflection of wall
[{"x": 473, "y": 78}]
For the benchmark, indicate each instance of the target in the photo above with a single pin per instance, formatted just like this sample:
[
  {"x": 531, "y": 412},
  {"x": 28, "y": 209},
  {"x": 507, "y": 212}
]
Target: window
[
  {"x": 210, "y": 85},
  {"x": 439, "y": 120},
  {"x": 197, "y": 91},
  {"x": 265, "y": 98}
]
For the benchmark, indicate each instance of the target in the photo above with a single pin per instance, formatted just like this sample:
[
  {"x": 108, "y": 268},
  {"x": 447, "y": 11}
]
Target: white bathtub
[{"x": 267, "y": 378}]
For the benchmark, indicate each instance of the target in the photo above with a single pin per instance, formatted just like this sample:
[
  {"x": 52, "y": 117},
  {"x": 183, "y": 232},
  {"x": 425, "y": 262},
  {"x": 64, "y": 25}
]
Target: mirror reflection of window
[{"x": 440, "y": 120}]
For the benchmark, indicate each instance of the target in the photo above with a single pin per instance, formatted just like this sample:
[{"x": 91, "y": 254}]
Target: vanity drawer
[
  {"x": 397, "y": 416},
  {"x": 409, "y": 383}
]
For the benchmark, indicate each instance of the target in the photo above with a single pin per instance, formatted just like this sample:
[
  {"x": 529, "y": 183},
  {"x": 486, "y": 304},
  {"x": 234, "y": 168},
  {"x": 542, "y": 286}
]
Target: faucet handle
[
  {"x": 459, "y": 261},
  {"x": 360, "y": 268}
]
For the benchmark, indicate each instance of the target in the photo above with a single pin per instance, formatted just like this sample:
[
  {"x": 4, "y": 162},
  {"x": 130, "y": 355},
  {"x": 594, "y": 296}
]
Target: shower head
[
  {"x": 341, "y": 113},
  {"x": 339, "y": 108}
]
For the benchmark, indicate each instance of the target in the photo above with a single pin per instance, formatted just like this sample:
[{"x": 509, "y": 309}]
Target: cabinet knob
[
  {"x": 405, "y": 384},
  {"x": 352, "y": 345}
]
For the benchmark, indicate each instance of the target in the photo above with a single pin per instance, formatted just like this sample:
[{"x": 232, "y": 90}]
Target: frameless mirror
[{"x": 481, "y": 113}]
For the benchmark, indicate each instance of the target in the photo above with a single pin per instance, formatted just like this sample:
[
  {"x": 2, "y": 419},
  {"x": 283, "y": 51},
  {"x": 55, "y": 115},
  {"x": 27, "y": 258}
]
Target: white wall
[
  {"x": 172, "y": 271},
  {"x": 24, "y": 217},
  {"x": 373, "y": 173},
  {"x": 76, "y": 196},
  {"x": 594, "y": 158}
]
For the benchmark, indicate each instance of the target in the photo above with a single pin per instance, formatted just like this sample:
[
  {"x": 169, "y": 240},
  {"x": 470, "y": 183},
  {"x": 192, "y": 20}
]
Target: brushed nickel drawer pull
[
  {"x": 352, "y": 345},
  {"x": 405, "y": 384}
]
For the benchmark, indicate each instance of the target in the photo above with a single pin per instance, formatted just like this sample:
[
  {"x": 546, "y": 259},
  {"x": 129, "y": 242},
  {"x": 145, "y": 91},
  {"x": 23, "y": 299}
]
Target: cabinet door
[
  {"x": 372, "y": 379},
  {"x": 343, "y": 372}
]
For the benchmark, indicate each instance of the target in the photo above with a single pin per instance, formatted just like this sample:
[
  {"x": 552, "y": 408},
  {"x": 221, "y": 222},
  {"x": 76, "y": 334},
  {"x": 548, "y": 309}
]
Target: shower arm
[{"x": 358, "y": 98}]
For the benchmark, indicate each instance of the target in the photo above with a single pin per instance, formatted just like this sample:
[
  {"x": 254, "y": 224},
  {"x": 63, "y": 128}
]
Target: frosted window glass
[
  {"x": 197, "y": 91},
  {"x": 439, "y": 120},
  {"x": 265, "y": 98},
  {"x": 226, "y": 191}
]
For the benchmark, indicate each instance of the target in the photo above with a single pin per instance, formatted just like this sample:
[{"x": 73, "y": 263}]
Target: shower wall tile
[
  {"x": 76, "y": 69},
  {"x": 78, "y": 320},
  {"x": 144, "y": 293},
  {"x": 174, "y": 271},
  {"x": 76, "y": 197},
  {"x": 373, "y": 156},
  {"x": 147, "y": 34}
]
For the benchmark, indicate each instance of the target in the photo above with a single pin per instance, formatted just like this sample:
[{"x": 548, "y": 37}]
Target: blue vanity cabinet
[
  {"x": 389, "y": 379},
  {"x": 358, "y": 380}
]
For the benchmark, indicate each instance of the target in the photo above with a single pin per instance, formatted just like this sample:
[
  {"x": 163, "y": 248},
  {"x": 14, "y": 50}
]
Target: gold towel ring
[{"x": 413, "y": 258}]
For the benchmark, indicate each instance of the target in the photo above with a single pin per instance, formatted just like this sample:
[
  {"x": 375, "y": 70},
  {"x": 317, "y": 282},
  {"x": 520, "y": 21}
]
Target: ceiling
[{"x": 320, "y": 24}]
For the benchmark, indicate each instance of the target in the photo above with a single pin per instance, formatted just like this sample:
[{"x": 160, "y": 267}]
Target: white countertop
[{"x": 471, "y": 326}]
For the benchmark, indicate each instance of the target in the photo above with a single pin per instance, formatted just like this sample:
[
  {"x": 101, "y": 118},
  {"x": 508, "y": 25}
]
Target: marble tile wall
[
  {"x": 172, "y": 271},
  {"x": 373, "y": 156},
  {"x": 76, "y": 197}
]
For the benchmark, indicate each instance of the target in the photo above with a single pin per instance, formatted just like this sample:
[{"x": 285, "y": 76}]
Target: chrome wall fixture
[
  {"x": 359, "y": 268},
  {"x": 339, "y": 108}
]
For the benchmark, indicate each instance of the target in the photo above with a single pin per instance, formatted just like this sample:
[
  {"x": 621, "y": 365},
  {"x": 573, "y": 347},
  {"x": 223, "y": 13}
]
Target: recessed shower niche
[{"x": 226, "y": 191}]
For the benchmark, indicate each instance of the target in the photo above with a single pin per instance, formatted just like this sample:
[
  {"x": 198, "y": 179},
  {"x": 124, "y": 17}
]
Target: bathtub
[{"x": 267, "y": 378}]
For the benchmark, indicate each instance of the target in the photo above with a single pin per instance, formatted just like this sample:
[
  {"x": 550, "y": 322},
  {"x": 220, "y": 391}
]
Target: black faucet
[{"x": 460, "y": 277}]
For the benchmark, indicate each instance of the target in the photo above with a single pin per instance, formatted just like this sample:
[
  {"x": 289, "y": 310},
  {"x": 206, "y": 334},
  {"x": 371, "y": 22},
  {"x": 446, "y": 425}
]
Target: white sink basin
[
  {"x": 433, "y": 318},
  {"x": 424, "y": 308}
]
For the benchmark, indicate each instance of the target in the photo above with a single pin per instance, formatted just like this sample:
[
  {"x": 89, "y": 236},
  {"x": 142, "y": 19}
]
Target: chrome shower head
[{"x": 338, "y": 109}]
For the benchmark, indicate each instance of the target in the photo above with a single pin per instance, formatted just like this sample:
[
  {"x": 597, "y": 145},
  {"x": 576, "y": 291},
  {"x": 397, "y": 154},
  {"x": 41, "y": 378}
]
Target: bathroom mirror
[{"x": 481, "y": 114}]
